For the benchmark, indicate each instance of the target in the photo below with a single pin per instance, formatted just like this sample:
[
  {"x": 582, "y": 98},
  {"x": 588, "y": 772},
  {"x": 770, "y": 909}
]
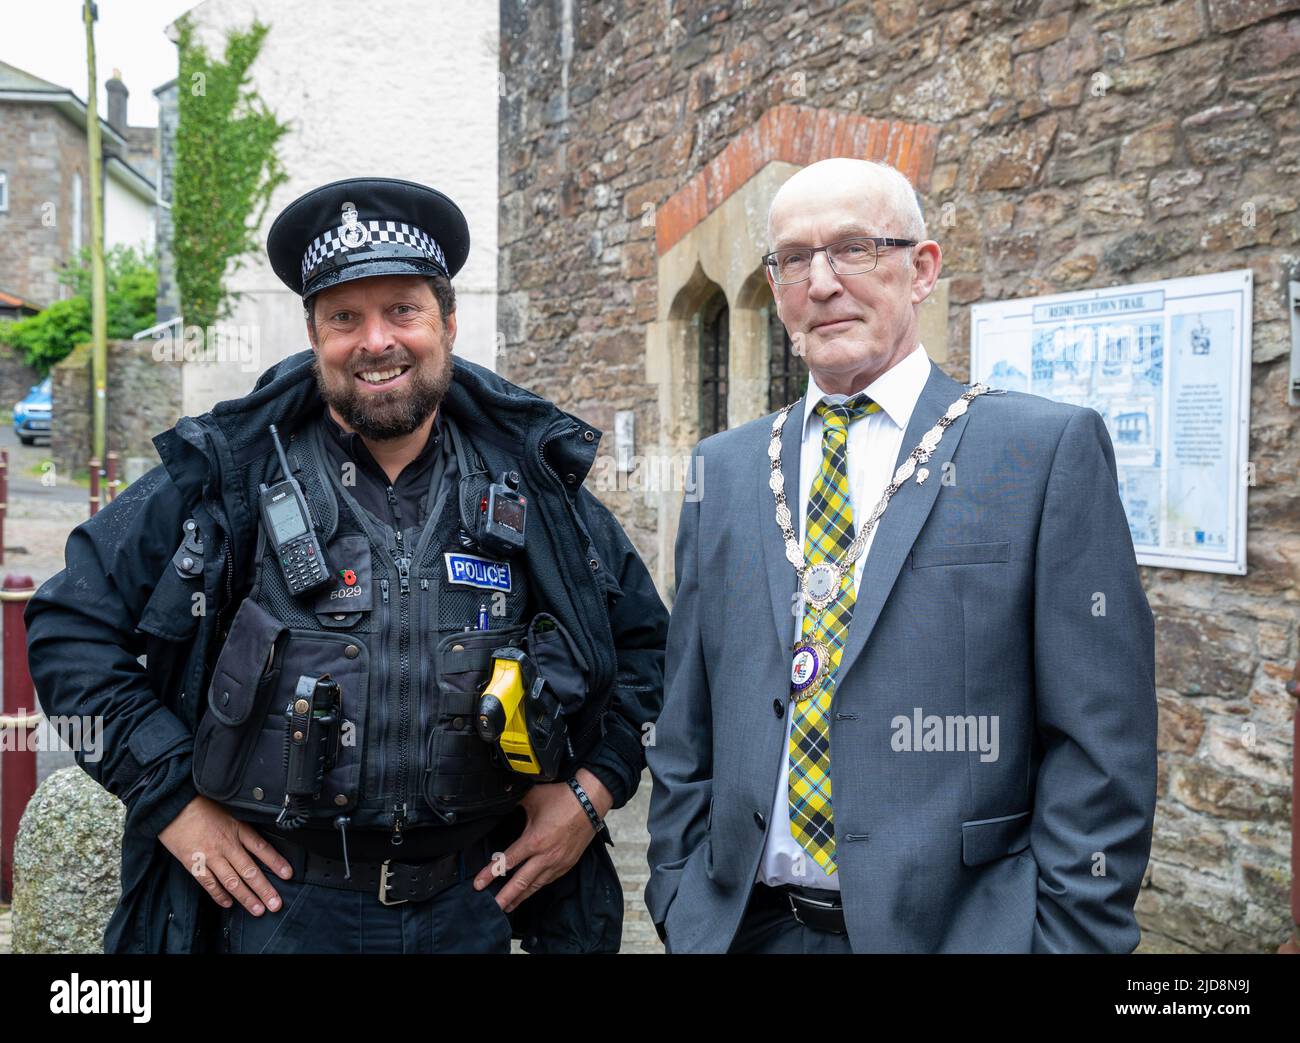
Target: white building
[
  {"x": 389, "y": 88},
  {"x": 129, "y": 208}
]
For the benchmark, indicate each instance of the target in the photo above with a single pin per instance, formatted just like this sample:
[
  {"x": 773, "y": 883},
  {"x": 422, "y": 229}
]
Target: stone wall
[
  {"x": 42, "y": 153},
  {"x": 1079, "y": 145},
  {"x": 16, "y": 377},
  {"x": 143, "y": 394}
]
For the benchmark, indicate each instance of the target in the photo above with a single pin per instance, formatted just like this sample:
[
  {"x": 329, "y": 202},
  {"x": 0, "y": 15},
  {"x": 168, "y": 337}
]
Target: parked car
[{"x": 33, "y": 415}]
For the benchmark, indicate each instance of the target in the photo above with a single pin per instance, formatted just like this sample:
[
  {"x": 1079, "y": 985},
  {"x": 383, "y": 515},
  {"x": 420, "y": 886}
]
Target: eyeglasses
[{"x": 847, "y": 257}]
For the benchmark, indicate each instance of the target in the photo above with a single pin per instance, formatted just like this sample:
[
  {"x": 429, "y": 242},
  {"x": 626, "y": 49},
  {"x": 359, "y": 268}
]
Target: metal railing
[{"x": 21, "y": 715}]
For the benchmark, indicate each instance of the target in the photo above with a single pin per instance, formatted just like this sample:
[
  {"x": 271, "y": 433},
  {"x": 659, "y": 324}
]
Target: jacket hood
[{"x": 202, "y": 453}]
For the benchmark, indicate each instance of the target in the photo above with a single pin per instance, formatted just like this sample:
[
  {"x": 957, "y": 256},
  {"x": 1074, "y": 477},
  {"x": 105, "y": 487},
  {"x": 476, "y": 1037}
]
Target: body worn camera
[{"x": 499, "y": 521}]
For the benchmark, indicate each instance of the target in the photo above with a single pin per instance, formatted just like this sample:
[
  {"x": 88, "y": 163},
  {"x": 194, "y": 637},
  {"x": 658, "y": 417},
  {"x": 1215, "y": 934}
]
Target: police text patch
[{"x": 478, "y": 572}]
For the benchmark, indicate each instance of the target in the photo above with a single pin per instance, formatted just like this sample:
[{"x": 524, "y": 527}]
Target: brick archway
[{"x": 798, "y": 135}]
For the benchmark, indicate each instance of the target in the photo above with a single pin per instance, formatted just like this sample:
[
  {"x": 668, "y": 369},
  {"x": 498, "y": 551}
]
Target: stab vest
[{"x": 390, "y": 629}]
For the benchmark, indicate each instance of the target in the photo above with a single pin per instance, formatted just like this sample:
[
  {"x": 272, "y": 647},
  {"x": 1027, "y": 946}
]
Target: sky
[{"x": 47, "y": 38}]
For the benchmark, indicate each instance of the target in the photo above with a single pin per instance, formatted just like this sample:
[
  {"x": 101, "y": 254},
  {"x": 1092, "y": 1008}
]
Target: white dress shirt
[{"x": 873, "y": 445}]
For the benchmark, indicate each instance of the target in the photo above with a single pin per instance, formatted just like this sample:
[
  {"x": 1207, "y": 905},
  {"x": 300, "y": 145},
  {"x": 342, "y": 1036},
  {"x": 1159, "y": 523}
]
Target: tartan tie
[{"x": 828, "y": 533}]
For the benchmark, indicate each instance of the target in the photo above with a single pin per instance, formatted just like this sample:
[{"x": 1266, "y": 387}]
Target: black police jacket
[{"x": 127, "y": 591}]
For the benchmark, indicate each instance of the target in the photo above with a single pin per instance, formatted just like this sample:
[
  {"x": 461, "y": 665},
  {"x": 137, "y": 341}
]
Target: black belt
[
  {"x": 814, "y": 907},
  {"x": 390, "y": 881}
]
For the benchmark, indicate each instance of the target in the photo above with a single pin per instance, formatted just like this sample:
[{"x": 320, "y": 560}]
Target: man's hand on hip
[
  {"x": 216, "y": 847},
  {"x": 557, "y": 833}
]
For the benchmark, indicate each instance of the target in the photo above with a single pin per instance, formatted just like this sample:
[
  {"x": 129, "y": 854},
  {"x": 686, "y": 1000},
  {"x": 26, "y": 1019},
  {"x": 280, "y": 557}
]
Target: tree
[
  {"x": 48, "y": 337},
  {"x": 226, "y": 168}
]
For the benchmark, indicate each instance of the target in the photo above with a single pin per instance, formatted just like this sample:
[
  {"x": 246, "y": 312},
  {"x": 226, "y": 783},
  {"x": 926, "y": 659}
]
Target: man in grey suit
[{"x": 974, "y": 672}]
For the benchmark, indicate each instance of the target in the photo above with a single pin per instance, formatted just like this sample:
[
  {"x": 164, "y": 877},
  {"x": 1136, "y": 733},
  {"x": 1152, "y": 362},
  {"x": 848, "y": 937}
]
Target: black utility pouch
[
  {"x": 240, "y": 749},
  {"x": 308, "y": 654},
  {"x": 244, "y": 674},
  {"x": 463, "y": 775},
  {"x": 558, "y": 661},
  {"x": 547, "y": 733},
  {"x": 561, "y": 666}
]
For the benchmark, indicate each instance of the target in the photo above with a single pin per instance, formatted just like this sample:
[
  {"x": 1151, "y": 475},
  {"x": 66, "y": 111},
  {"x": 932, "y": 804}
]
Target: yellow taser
[
  {"x": 502, "y": 714},
  {"x": 523, "y": 717}
]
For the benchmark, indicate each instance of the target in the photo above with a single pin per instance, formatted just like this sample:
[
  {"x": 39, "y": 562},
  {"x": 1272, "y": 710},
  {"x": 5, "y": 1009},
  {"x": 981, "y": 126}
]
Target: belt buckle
[
  {"x": 822, "y": 904},
  {"x": 385, "y": 886}
]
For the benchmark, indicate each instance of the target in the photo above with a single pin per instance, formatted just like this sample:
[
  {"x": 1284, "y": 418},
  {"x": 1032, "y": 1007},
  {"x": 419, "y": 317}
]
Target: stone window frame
[{"x": 723, "y": 252}]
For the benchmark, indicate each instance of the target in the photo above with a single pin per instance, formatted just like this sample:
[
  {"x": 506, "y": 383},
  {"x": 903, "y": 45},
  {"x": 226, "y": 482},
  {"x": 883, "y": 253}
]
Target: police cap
[{"x": 360, "y": 227}]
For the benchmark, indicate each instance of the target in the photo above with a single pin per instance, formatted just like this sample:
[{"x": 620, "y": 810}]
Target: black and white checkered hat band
[{"x": 331, "y": 242}]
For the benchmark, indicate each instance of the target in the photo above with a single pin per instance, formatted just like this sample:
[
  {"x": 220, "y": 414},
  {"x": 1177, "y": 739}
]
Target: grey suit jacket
[{"x": 1002, "y": 589}]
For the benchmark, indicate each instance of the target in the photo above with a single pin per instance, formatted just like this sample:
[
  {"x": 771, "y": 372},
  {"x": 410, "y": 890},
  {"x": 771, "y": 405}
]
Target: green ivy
[
  {"x": 131, "y": 290},
  {"x": 226, "y": 168}
]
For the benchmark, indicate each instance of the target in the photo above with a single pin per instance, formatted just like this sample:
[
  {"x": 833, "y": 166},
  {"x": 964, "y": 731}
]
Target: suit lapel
[
  {"x": 906, "y": 513},
  {"x": 781, "y": 579}
]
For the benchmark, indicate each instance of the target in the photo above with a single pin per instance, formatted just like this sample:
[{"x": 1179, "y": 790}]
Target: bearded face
[
  {"x": 383, "y": 354},
  {"x": 398, "y": 405}
]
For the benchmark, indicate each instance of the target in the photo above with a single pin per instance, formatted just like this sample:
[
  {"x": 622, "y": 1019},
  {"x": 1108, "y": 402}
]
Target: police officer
[{"x": 324, "y": 577}]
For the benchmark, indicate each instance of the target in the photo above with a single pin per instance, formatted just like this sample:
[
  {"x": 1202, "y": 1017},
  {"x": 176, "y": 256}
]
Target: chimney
[{"x": 117, "y": 95}]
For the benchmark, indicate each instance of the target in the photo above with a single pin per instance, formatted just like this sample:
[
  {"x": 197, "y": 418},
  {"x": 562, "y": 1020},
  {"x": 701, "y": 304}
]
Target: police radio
[{"x": 288, "y": 526}]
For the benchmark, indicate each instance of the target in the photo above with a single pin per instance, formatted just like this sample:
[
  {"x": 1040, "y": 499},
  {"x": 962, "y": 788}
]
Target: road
[{"x": 22, "y": 485}]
